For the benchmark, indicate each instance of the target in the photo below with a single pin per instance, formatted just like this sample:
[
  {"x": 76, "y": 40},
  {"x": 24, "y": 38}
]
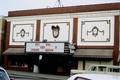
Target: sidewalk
[{"x": 35, "y": 75}]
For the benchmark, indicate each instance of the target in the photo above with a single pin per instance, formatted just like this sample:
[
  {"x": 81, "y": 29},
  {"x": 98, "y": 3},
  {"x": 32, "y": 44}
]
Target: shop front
[{"x": 41, "y": 57}]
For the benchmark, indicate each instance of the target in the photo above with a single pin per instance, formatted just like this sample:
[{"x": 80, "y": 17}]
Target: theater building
[{"x": 62, "y": 38}]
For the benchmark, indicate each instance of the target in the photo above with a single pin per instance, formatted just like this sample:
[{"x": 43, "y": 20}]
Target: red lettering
[
  {"x": 42, "y": 47},
  {"x": 35, "y": 50},
  {"x": 47, "y": 44},
  {"x": 36, "y": 44},
  {"x": 49, "y": 50}
]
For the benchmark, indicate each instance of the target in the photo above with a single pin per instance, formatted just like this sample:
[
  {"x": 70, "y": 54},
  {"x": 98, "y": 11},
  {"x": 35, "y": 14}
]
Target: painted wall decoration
[
  {"x": 96, "y": 31},
  {"x": 22, "y": 32},
  {"x": 56, "y": 30}
]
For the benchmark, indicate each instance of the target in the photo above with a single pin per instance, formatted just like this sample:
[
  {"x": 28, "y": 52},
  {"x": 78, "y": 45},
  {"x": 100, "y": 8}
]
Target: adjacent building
[{"x": 2, "y": 26}]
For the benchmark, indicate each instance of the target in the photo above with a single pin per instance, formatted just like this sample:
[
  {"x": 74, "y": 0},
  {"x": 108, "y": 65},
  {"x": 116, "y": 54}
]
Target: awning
[
  {"x": 21, "y": 51},
  {"x": 93, "y": 53},
  {"x": 14, "y": 51}
]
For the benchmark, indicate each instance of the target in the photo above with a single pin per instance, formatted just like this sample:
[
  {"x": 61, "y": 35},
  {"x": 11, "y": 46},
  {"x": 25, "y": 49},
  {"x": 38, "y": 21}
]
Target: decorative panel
[
  {"x": 96, "y": 31},
  {"x": 57, "y": 30},
  {"x": 22, "y": 32}
]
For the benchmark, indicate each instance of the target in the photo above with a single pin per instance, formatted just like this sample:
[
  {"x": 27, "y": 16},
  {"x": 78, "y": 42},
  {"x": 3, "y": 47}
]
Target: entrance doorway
[{"x": 55, "y": 64}]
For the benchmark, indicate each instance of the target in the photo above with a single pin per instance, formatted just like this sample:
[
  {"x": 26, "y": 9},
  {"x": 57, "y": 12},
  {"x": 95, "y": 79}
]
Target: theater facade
[{"x": 59, "y": 39}]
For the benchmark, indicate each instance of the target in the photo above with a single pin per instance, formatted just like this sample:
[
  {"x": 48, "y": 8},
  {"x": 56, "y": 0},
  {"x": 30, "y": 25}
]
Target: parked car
[
  {"x": 3, "y": 74},
  {"x": 94, "y": 77},
  {"x": 96, "y": 69}
]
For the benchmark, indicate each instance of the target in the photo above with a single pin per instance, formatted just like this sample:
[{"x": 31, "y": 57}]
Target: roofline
[{"x": 62, "y": 10}]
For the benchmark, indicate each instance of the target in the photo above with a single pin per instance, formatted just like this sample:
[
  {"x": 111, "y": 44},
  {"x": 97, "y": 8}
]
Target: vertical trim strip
[
  {"x": 38, "y": 30},
  {"x": 75, "y": 27},
  {"x": 119, "y": 39},
  {"x": 7, "y": 35},
  {"x": 119, "y": 42},
  {"x": 116, "y": 41}
]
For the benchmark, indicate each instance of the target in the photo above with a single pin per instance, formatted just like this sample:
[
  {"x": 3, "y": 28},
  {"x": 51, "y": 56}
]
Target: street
[
  {"x": 24, "y": 78},
  {"x": 34, "y": 79},
  {"x": 17, "y": 75},
  {"x": 37, "y": 78}
]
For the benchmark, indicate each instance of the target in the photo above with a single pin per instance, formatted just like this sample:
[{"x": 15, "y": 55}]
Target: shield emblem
[
  {"x": 55, "y": 31},
  {"x": 22, "y": 33}
]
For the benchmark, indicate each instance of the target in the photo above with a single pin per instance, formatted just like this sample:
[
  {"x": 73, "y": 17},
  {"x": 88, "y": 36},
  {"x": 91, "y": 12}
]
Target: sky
[{"x": 12, "y": 5}]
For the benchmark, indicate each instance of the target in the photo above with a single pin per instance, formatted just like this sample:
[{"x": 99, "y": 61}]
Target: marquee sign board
[{"x": 48, "y": 47}]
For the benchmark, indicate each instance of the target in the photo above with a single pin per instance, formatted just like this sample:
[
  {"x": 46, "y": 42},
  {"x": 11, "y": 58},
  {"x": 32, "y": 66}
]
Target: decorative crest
[{"x": 55, "y": 30}]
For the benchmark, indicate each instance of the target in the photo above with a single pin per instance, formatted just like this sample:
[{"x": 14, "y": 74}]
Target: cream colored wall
[
  {"x": 80, "y": 65},
  {"x": 107, "y": 62},
  {"x": 88, "y": 63}
]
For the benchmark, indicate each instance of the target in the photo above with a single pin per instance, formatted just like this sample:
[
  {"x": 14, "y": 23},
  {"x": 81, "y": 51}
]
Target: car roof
[
  {"x": 96, "y": 77},
  {"x": 1, "y": 68}
]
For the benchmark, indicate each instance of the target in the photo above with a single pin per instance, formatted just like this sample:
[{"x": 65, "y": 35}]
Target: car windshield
[
  {"x": 3, "y": 75},
  {"x": 81, "y": 78}
]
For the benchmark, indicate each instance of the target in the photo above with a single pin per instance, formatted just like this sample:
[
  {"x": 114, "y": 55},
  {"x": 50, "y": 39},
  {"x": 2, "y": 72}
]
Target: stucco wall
[{"x": 85, "y": 64}]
